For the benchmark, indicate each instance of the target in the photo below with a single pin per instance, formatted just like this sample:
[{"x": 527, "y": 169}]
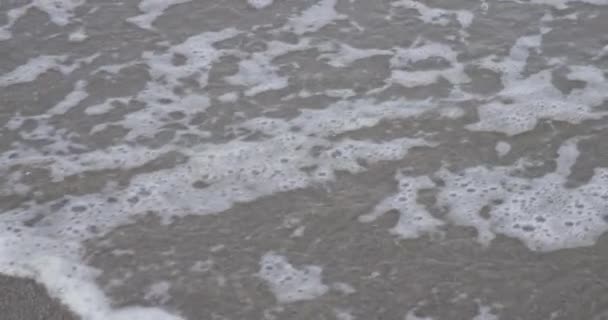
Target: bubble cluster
[
  {"x": 542, "y": 212},
  {"x": 214, "y": 115},
  {"x": 525, "y": 100}
]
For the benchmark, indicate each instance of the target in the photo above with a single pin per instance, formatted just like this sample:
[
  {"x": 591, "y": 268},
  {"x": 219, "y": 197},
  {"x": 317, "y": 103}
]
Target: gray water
[{"x": 331, "y": 159}]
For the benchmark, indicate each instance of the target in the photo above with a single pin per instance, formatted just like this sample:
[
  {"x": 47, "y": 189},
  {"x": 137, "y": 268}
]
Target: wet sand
[{"x": 23, "y": 299}]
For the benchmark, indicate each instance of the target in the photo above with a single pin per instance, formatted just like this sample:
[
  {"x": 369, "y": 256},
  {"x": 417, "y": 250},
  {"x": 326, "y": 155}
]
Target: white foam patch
[
  {"x": 568, "y": 153},
  {"x": 414, "y": 219},
  {"x": 601, "y": 54},
  {"x": 485, "y": 313},
  {"x": 535, "y": 98},
  {"x": 542, "y": 212},
  {"x": 563, "y": 4},
  {"x": 422, "y": 50},
  {"x": 5, "y": 34},
  {"x": 71, "y": 100},
  {"x": 32, "y": 69},
  {"x": 228, "y": 97},
  {"x": 235, "y": 171},
  {"x": 115, "y": 68},
  {"x": 343, "y": 116},
  {"x": 12, "y": 16},
  {"x": 484, "y": 6},
  {"x": 340, "y": 93},
  {"x": 298, "y": 232},
  {"x": 465, "y": 18},
  {"x": 54, "y": 263},
  {"x": 451, "y": 112},
  {"x": 200, "y": 54},
  {"x": 525, "y": 101},
  {"x": 202, "y": 266},
  {"x": 435, "y": 15},
  {"x": 60, "y": 12},
  {"x": 145, "y": 122},
  {"x": 78, "y": 35},
  {"x": 159, "y": 94},
  {"x": 285, "y": 155},
  {"x": 240, "y": 171},
  {"x": 104, "y": 107},
  {"x": 14, "y": 186},
  {"x": 288, "y": 283},
  {"x": 260, "y": 4},
  {"x": 245, "y": 171},
  {"x": 35, "y": 67},
  {"x": 502, "y": 148},
  {"x": 259, "y": 74},
  {"x": 404, "y": 58},
  {"x": 344, "y": 288},
  {"x": 60, "y": 167},
  {"x": 342, "y": 55},
  {"x": 342, "y": 314},
  {"x": 158, "y": 292},
  {"x": 43, "y": 130},
  {"x": 411, "y": 315},
  {"x": 152, "y": 10},
  {"x": 314, "y": 18}
]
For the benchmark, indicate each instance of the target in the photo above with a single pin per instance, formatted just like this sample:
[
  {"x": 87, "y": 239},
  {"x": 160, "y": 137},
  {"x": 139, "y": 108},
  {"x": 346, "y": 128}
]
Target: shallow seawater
[{"x": 309, "y": 159}]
